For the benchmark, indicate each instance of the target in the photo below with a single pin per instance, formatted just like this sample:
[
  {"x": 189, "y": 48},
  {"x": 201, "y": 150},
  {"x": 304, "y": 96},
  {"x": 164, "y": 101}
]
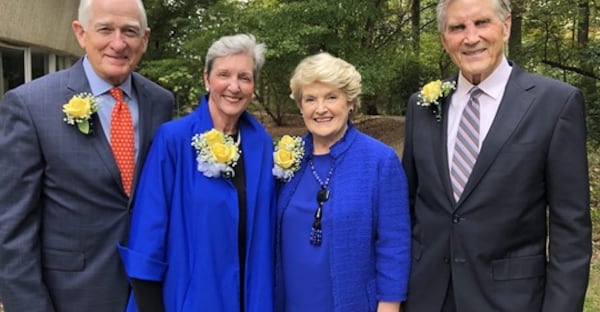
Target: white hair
[{"x": 85, "y": 13}]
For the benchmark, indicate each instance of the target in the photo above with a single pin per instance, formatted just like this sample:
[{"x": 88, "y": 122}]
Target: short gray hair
[
  {"x": 85, "y": 14},
  {"x": 502, "y": 8},
  {"x": 236, "y": 44}
]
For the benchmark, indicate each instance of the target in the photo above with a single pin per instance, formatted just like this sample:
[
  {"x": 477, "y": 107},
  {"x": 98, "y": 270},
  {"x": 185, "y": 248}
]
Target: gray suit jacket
[
  {"x": 530, "y": 179},
  {"x": 62, "y": 204}
]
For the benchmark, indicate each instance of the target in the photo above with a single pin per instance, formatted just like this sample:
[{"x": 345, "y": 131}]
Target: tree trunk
[
  {"x": 514, "y": 42},
  {"x": 370, "y": 104},
  {"x": 416, "y": 25},
  {"x": 588, "y": 85}
]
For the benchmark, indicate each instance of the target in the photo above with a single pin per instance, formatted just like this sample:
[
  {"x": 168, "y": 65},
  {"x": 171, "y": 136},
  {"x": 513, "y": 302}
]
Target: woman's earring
[{"x": 351, "y": 111}]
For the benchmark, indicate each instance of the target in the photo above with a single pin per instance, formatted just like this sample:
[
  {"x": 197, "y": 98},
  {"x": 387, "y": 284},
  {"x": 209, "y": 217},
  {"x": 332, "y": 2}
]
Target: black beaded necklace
[{"x": 316, "y": 233}]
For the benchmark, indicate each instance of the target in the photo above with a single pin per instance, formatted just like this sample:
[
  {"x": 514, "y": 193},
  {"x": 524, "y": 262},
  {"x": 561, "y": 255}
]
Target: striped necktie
[
  {"x": 122, "y": 139},
  {"x": 466, "y": 148}
]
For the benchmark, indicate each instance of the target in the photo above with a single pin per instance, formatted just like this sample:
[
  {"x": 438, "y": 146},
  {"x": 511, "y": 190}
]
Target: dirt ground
[{"x": 388, "y": 129}]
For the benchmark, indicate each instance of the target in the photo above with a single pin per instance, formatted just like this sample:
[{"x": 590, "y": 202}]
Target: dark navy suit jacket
[
  {"x": 519, "y": 238},
  {"x": 62, "y": 204}
]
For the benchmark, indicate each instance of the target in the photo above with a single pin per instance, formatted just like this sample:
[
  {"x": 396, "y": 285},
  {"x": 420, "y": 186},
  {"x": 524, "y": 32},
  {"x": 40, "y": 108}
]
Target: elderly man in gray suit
[
  {"x": 498, "y": 178},
  {"x": 69, "y": 162}
]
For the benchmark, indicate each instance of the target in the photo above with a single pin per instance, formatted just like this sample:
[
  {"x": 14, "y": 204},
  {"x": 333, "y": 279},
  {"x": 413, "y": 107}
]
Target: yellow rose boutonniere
[
  {"x": 217, "y": 153},
  {"x": 79, "y": 110},
  {"x": 287, "y": 157},
  {"x": 432, "y": 95}
]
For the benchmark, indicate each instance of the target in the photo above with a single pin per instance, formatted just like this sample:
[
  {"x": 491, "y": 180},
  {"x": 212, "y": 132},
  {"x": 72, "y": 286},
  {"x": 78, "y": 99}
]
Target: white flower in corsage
[
  {"x": 217, "y": 154},
  {"x": 432, "y": 95},
  {"x": 79, "y": 110},
  {"x": 287, "y": 157}
]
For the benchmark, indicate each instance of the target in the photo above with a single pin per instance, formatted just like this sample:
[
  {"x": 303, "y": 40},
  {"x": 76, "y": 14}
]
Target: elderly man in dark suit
[
  {"x": 498, "y": 178},
  {"x": 69, "y": 164}
]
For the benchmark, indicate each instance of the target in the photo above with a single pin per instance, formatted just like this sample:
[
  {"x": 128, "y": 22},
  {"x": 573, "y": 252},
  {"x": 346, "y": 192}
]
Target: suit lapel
[
  {"x": 514, "y": 105},
  {"x": 439, "y": 143},
  {"x": 78, "y": 83},
  {"x": 145, "y": 108},
  {"x": 104, "y": 150},
  {"x": 441, "y": 152}
]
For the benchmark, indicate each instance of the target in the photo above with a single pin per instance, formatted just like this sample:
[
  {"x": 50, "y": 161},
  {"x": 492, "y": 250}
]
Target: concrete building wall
[{"x": 41, "y": 23}]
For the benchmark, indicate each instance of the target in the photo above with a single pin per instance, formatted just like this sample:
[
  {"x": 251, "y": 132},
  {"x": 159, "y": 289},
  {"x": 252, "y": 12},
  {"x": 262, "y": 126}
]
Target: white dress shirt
[{"x": 493, "y": 90}]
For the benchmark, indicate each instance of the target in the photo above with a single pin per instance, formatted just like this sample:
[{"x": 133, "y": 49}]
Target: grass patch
[{"x": 592, "y": 299}]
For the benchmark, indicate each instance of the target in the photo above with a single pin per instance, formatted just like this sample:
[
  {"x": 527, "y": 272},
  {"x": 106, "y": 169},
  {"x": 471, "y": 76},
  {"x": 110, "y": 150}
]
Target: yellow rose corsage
[
  {"x": 287, "y": 157},
  {"x": 79, "y": 110},
  {"x": 432, "y": 94},
  {"x": 217, "y": 154}
]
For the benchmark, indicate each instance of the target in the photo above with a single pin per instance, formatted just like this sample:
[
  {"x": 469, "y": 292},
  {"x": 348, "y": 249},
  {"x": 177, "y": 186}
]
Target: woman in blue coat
[
  {"x": 343, "y": 239},
  {"x": 202, "y": 232}
]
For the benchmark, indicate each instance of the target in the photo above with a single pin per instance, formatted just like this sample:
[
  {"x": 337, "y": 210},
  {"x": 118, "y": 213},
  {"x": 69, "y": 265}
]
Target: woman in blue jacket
[
  {"x": 343, "y": 239},
  {"x": 202, "y": 232}
]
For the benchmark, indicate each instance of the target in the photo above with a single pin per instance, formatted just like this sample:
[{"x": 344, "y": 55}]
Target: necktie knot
[
  {"x": 475, "y": 92},
  {"x": 117, "y": 93}
]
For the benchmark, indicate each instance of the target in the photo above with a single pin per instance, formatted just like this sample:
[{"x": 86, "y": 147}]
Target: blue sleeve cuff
[{"x": 140, "y": 266}]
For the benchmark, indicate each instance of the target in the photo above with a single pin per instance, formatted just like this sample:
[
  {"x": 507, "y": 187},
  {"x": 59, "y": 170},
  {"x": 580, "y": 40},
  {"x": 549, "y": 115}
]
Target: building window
[
  {"x": 12, "y": 68},
  {"x": 19, "y": 65},
  {"x": 39, "y": 64}
]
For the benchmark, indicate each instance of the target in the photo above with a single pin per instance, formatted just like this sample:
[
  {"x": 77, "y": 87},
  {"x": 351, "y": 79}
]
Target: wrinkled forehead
[{"x": 107, "y": 13}]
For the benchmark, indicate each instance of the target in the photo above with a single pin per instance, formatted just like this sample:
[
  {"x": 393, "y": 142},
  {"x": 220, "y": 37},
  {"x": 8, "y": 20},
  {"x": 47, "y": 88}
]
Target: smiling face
[
  {"x": 474, "y": 37},
  {"x": 231, "y": 85},
  {"x": 113, "y": 40},
  {"x": 325, "y": 111}
]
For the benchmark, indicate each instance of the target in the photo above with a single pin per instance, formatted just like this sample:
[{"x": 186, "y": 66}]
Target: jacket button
[
  {"x": 455, "y": 219},
  {"x": 446, "y": 260}
]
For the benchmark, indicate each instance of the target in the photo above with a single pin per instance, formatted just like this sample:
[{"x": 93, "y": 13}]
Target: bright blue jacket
[
  {"x": 370, "y": 225},
  {"x": 184, "y": 230}
]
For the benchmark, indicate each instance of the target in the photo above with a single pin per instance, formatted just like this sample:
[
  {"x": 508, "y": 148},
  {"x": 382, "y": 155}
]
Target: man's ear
[
  {"x": 507, "y": 24},
  {"x": 79, "y": 32}
]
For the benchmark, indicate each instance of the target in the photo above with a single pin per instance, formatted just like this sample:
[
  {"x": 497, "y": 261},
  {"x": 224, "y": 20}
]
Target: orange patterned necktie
[{"x": 122, "y": 139}]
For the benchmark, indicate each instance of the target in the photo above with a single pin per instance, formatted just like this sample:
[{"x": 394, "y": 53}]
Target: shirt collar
[
  {"x": 98, "y": 86},
  {"x": 493, "y": 86}
]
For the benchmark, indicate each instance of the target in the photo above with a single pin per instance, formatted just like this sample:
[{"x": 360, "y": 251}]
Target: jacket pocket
[
  {"x": 62, "y": 260},
  {"x": 519, "y": 268}
]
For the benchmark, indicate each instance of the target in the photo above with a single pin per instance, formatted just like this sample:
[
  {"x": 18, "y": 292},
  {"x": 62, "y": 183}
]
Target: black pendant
[
  {"x": 316, "y": 237},
  {"x": 322, "y": 195},
  {"x": 316, "y": 233}
]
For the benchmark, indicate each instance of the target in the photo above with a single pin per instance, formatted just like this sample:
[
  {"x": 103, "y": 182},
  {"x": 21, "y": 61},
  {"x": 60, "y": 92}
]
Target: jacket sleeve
[
  {"x": 408, "y": 153},
  {"x": 393, "y": 231},
  {"x": 570, "y": 247},
  {"x": 21, "y": 283}
]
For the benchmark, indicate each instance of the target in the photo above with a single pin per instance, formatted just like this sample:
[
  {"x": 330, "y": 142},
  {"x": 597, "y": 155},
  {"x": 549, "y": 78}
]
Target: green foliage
[
  {"x": 350, "y": 29},
  {"x": 592, "y": 300},
  {"x": 374, "y": 35},
  {"x": 183, "y": 78},
  {"x": 369, "y": 34},
  {"x": 594, "y": 164}
]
